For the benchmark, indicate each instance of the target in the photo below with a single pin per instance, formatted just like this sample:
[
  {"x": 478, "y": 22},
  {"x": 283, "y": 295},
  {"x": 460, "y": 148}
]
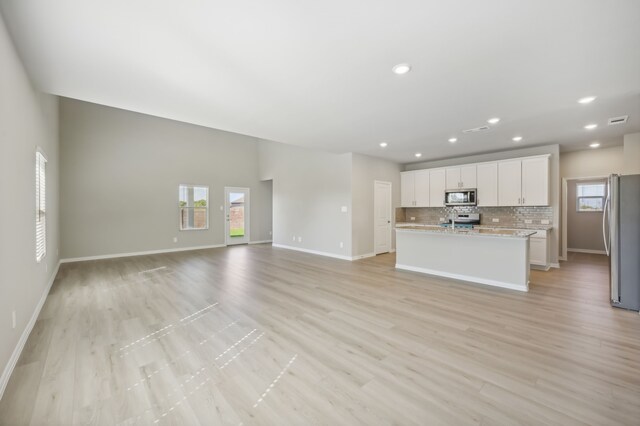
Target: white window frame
[
  {"x": 41, "y": 205},
  {"x": 601, "y": 197},
  {"x": 191, "y": 185}
]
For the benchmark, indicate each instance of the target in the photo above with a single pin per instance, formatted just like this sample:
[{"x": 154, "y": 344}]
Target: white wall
[
  {"x": 631, "y": 154},
  {"x": 309, "y": 189},
  {"x": 553, "y": 150},
  {"x": 120, "y": 177},
  {"x": 366, "y": 170},
  {"x": 28, "y": 119}
]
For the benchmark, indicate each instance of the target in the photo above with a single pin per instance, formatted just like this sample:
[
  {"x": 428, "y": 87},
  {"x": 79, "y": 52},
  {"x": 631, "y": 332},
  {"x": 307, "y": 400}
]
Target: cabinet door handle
[
  {"x": 522, "y": 200},
  {"x": 518, "y": 200}
]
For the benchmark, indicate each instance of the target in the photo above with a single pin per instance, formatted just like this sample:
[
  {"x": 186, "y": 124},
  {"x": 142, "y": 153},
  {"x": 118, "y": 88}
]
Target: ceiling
[{"x": 318, "y": 74}]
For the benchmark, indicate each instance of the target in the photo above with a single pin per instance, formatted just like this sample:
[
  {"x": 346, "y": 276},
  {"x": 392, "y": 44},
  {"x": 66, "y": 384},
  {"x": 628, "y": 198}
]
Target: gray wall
[
  {"x": 632, "y": 154},
  {"x": 27, "y": 119},
  {"x": 366, "y": 170},
  {"x": 591, "y": 162},
  {"x": 554, "y": 150},
  {"x": 583, "y": 228},
  {"x": 120, "y": 177},
  {"x": 309, "y": 189}
]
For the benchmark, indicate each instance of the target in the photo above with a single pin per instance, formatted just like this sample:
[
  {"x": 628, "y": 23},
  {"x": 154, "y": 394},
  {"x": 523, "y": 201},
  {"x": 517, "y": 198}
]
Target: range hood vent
[
  {"x": 618, "y": 120},
  {"x": 476, "y": 129}
]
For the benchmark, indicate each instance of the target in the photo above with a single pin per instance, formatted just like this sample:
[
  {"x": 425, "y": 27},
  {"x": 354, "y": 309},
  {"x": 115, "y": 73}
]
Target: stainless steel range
[{"x": 463, "y": 220}]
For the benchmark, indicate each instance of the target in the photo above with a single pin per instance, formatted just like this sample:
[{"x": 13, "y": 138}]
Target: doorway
[
  {"x": 237, "y": 214},
  {"x": 382, "y": 216},
  {"x": 582, "y": 214}
]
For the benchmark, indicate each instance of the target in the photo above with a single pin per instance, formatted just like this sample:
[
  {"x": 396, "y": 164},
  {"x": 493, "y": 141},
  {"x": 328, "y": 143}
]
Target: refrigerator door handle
[{"x": 604, "y": 224}]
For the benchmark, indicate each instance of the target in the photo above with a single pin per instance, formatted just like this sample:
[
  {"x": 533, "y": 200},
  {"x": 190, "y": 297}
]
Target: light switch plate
[
  {"x": 495, "y": 220},
  {"x": 442, "y": 219},
  {"x": 528, "y": 221},
  {"x": 544, "y": 222},
  {"x": 413, "y": 218},
  {"x": 343, "y": 209}
]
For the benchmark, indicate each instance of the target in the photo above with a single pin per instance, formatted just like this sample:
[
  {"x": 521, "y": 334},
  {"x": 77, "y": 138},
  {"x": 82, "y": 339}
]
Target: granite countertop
[
  {"x": 435, "y": 229},
  {"x": 530, "y": 226}
]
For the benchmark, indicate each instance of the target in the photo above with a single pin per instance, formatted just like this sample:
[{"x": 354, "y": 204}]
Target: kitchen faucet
[{"x": 452, "y": 217}]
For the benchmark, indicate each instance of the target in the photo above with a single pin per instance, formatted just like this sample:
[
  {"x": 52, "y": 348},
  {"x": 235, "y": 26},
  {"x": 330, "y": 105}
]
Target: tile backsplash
[{"x": 508, "y": 216}]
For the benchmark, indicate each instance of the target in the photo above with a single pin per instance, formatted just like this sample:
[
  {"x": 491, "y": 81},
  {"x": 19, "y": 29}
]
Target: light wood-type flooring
[{"x": 266, "y": 336}]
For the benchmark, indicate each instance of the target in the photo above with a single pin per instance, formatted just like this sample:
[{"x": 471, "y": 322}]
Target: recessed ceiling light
[
  {"x": 594, "y": 145},
  {"x": 493, "y": 120},
  {"x": 383, "y": 144},
  {"x": 590, "y": 126},
  {"x": 418, "y": 154},
  {"x": 517, "y": 139},
  {"x": 453, "y": 140},
  {"x": 586, "y": 100},
  {"x": 402, "y": 69}
]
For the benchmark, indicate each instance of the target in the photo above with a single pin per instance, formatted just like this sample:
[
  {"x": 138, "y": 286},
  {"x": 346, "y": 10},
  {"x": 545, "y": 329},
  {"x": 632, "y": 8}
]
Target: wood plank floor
[{"x": 259, "y": 335}]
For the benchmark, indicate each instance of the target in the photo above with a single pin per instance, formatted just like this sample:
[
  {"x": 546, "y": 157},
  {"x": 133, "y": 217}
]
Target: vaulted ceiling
[{"x": 318, "y": 73}]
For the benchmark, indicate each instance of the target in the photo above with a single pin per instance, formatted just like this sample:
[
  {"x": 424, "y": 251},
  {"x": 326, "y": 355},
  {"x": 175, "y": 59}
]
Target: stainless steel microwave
[{"x": 460, "y": 197}]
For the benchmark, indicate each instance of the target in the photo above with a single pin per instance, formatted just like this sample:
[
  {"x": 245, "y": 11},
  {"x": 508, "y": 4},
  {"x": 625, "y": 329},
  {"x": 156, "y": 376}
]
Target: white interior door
[
  {"x": 236, "y": 201},
  {"x": 382, "y": 217}
]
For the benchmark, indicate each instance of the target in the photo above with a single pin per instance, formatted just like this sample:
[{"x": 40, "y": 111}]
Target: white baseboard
[
  {"x": 575, "y": 250},
  {"x": 319, "y": 253},
  {"x": 362, "y": 256},
  {"x": 540, "y": 267},
  {"x": 8, "y": 369},
  {"x": 463, "y": 277},
  {"x": 138, "y": 253},
  {"x": 392, "y": 250},
  {"x": 555, "y": 265},
  {"x": 260, "y": 242}
]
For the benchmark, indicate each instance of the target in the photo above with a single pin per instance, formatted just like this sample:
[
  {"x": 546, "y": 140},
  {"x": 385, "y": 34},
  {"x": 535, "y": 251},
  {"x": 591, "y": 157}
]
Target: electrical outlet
[
  {"x": 413, "y": 218},
  {"x": 13, "y": 319},
  {"x": 294, "y": 238},
  {"x": 270, "y": 233},
  {"x": 544, "y": 222},
  {"x": 299, "y": 239},
  {"x": 528, "y": 221},
  {"x": 341, "y": 244},
  {"x": 495, "y": 220},
  {"x": 442, "y": 219},
  {"x": 175, "y": 239},
  {"x": 344, "y": 209}
]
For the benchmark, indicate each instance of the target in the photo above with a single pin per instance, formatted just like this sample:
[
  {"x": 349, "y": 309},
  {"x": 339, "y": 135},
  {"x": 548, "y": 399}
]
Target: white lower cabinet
[{"x": 539, "y": 250}]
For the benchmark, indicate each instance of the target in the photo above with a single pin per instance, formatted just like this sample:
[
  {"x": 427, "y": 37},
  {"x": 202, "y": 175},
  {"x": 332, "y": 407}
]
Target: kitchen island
[{"x": 497, "y": 257}]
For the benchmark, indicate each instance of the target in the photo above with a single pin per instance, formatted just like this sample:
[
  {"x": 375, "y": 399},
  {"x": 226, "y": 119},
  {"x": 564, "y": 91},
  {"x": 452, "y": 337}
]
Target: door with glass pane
[{"x": 236, "y": 215}]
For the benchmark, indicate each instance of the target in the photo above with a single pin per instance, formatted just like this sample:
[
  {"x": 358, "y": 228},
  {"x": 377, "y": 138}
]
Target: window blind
[{"x": 41, "y": 207}]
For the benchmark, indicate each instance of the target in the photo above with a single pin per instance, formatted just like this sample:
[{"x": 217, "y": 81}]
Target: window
[
  {"x": 194, "y": 207},
  {"x": 590, "y": 197},
  {"x": 41, "y": 206}
]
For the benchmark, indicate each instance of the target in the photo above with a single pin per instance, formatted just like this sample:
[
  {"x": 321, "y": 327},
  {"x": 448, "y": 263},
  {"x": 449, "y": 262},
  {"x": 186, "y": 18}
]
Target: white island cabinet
[{"x": 486, "y": 256}]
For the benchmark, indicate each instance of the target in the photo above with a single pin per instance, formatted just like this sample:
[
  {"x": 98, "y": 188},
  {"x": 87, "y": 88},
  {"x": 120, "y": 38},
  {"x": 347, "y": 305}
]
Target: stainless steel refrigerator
[{"x": 621, "y": 232}]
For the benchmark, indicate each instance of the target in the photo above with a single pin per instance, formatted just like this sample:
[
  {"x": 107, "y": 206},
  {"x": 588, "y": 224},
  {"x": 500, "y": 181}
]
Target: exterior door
[
  {"x": 237, "y": 215},
  {"x": 382, "y": 217}
]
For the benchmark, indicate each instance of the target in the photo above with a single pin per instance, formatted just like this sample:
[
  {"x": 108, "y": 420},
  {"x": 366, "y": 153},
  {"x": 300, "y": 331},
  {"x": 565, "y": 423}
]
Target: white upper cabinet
[
  {"x": 421, "y": 188},
  {"x": 535, "y": 181},
  {"x": 414, "y": 188},
  {"x": 437, "y": 178},
  {"x": 524, "y": 182},
  {"x": 487, "y": 184},
  {"x": 461, "y": 177},
  {"x": 453, "y": 177},
  {"x": 468, "y": 176},
  {"x": 407, "y": 189},
  {"x": 510, "y": 183},
  {"x": 517, "y": 182}
]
